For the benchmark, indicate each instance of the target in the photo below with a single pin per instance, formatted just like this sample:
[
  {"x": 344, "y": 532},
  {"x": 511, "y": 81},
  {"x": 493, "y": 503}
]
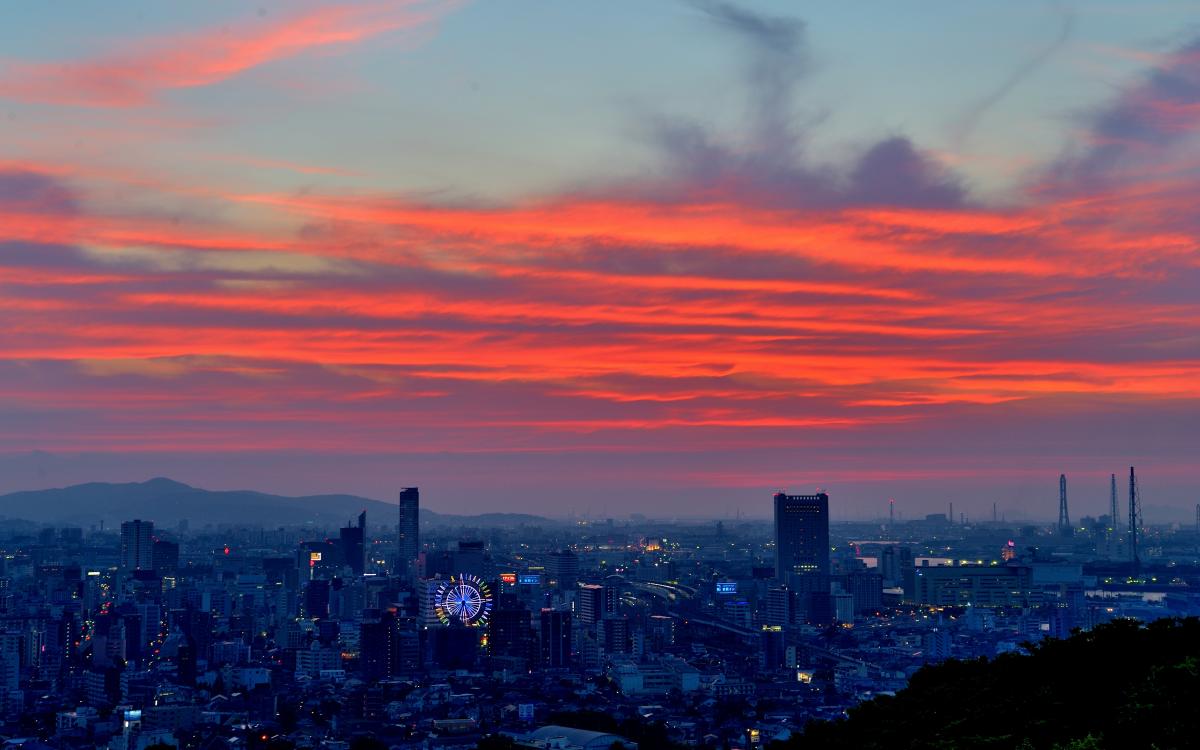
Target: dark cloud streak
[{"x": 966, "y": 126}]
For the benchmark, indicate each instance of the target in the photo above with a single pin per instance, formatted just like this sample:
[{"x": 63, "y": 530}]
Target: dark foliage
[{"x": 1121, "y": 686}]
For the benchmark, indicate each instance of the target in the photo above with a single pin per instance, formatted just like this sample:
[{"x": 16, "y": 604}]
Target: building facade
[
  {"x": 801, "y": 534},
  {"x": 409, "y": 530}
]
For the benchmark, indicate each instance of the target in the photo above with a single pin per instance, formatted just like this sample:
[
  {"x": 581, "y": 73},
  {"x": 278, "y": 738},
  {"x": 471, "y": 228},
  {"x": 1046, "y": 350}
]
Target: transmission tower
[
  {"x": 1135, "y": 518},
  {"x": 1114, "y": 519},
  {"x": 1064, "y": 518}
]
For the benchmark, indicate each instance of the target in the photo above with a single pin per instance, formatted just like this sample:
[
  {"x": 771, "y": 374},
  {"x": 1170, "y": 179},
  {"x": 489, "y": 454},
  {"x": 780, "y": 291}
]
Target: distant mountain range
[{"x": 166, "y": 502}]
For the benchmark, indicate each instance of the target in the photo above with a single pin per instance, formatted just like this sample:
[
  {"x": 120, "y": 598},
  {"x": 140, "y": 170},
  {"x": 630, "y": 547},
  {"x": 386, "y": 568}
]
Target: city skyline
[
  {"x": 678, "y": 375},
  {"x": 926, "y": 252},
  {"x": 66, "y": 505}
]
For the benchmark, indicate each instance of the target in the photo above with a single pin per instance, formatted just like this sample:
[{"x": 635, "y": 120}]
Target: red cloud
[{"x": 135, "y": 76}]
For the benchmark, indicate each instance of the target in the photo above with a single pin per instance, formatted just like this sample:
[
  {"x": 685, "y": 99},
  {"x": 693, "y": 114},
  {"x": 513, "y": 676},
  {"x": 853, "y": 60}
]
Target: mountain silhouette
[{"x": 166, "y": 502}]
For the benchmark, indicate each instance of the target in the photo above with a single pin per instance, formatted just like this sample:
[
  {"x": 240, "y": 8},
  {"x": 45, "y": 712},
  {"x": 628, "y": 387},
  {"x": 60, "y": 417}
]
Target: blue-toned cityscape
[{"x": 462, "y": 630}]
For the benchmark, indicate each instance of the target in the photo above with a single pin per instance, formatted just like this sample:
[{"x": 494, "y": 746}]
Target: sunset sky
[{"x": 605, "y": 257}]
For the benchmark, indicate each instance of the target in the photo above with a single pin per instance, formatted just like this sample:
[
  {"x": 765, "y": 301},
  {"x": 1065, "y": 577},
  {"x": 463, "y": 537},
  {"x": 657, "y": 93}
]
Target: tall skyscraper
[
  {"x": 352, "y": 538},
  {"x": 563, "y": 568},
  {"x": 409, "y": 530},
  {"x": 137, "y": 545},
  {"x": 801, "y": 534}
]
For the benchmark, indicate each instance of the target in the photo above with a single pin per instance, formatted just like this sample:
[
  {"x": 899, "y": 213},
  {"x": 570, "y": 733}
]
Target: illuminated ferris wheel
[{"x": 464, "y": 599}]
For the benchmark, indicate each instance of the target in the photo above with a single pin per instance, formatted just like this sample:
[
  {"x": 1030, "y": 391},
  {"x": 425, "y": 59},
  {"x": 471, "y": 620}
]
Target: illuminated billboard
[{"x": 727, "y": 587}]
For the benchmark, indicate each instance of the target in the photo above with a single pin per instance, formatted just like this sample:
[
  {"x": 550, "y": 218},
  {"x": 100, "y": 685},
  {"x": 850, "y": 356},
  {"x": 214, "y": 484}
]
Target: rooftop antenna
[
  {"x": 993, "y": 513},
  {"x": 951, "y": 512},
  {"x": 1135, "y": 513},
  {"x": 892, "y": 512}
]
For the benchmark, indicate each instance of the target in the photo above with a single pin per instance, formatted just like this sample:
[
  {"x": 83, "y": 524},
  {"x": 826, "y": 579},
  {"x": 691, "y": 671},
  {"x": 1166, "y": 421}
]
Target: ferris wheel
[{"x": 464, "y": 599}]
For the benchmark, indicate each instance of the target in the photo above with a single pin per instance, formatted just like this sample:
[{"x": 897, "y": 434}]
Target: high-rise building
[
  {"x": 316, "y": 599},
  {"x": 352, "y": 538},
  {"x": 137, "y": 545},
  {"x": 556, "y": 638},
  {"x": 563, "y": 569},
  {"x": 389, "y": 644},
  {"x": 889, "y": 565},
  {"x": 470, "y": 557},
  {"x": 409, "y": 530},
  {"x": 510, "y": 632},
  {"x": 165, "y": 556},
  {"x": 866, "y": 586},
  {"x": 772, "y": 648},
  {"x": 595, "y": 602},
  {"x": 801, "y": 534},
  {"x": 779, "y": 606}
]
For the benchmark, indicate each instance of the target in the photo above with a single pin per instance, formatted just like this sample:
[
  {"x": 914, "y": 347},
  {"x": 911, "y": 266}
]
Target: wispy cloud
[
  {"x": 144, "y": 68},
  {"x": 966, "y": 125}
]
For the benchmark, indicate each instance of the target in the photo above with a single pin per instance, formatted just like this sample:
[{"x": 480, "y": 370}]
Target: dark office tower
[
  {"x": 470, "y": 557},
  {"x": 137, "y": 551},
  {"x": 866, "y": 586},
  {"x": 377, "y": 644},
  {"x": 362, "y": 530},
  {"x": 409, "y": 530},
  {"x": 186, "y": 662},
  {"x": 563, "y": 568},
  {"x": 907, "y": 571},
  {"x": 510, "y": 632},
  {"x": 820, "y": 609},
  {"x": 772, "y": 648},
  {"x": 556, "y": 639},
  {"x": 389, "y": 645},
  {"x": 455, "y": 647},
  {"x": 316, "y": 599},
  {"x": 801, "y": 534},
  {"x": 889, "y": 565},
  {"x": 352, "y": 545},
  {"x": 166, "y": 556}
]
